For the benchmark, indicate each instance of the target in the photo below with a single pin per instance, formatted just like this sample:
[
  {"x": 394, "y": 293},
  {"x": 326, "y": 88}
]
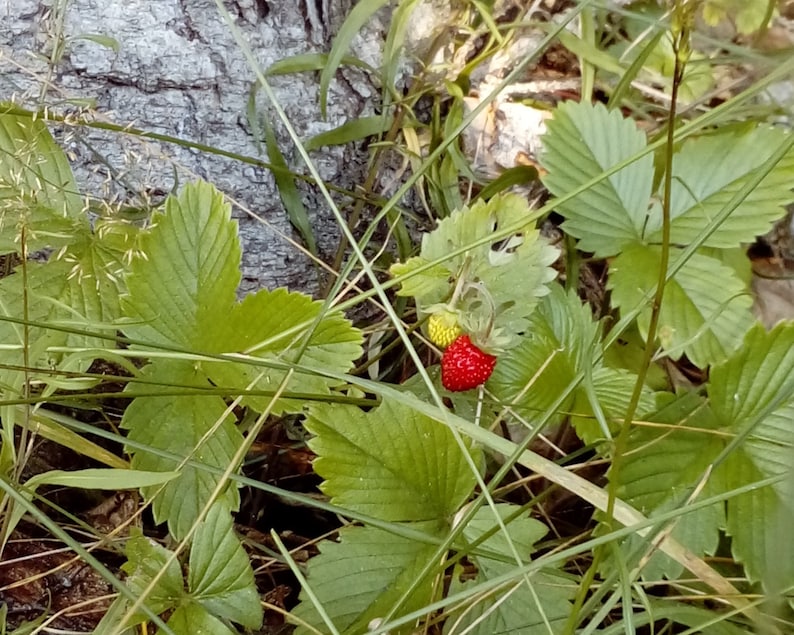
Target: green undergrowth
[{"x": 627, "y": 468}]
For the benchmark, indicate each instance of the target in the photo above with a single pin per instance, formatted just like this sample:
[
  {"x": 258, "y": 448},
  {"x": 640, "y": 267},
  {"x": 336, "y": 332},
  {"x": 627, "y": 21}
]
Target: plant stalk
[{"x": 681, "y": 34}]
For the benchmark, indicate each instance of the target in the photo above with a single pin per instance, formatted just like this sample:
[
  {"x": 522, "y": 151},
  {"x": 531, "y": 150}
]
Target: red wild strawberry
[{"x": 464, "y": 366}]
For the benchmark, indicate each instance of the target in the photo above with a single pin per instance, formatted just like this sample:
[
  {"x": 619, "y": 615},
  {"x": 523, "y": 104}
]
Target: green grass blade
[
  {"x": 10, "y": 490},
  {"x": 398, "y": 26},
  {"x": 590, "y": 54},
  {"x": 630, "y": 74},
  {"x": 356, "y": 19},
  {"x": 518, "y": 175},
  {"x": 288, "y": 191},
  {"x": 310, "y": 62},
  {"x": 354, "y": 130}
]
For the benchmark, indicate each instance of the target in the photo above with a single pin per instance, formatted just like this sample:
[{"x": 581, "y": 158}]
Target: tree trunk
[{"x": 173, "y": 67}]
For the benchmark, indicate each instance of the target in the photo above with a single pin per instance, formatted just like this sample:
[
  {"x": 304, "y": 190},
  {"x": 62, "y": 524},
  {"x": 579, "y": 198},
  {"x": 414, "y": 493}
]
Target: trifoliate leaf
[
  {"x": 146, "y": 560},
  {"x": 512, "y": 272},
  {"x": 705, "y": 310},
  {"x": 185, "y": 285},
  {"x": 609, "y": 217},
  {"x": 190, "y": 426},
  {"x": 220, "y": 578},
  {"x": 662, "y": 466},
  {"x": 377, "y": 568},
  {"x": 37, "y": 189},
  {"x": 274, "y": 325},
  {"x": 182, "y": 294},
  {"x": 390, "y": 462},
  {"x": 516, "y": 608},
  {"x": 582, "y": 141},
  {"x": 709, "y": 171}
]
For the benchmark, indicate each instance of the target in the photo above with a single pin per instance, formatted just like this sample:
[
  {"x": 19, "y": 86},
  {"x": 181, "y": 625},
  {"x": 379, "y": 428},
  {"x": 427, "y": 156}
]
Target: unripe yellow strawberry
[{"x": 443, "y": 328}]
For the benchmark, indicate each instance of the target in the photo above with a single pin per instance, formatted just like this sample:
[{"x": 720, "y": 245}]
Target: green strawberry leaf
[
  {"x": 274, "y": 326},
  {"x": 220, "y": 578},
  {"x": 185, "y": 286},
  {"x": 664, "y": 463},
  {"x": 559, "y": 344},
  {"x": 146, "y": 560},
  {"x": 582, "y": 141},
  {"x": 189, "y": 426},
  {"x": 376, "y": 568},
  {"x": 182, "y": 294},
  {"x": 709, "y": 171},
  {"x": 514, "y": 272},
  {"x": 96, "y": 282},
  {"x": 706, "y": 307},
  {"x": 194, "y": 618},
  {"x": 612, "y": 388},
  {"x": 616, "y": 214},
  {"x": 392, "y": 462},
  {"x": 517, "y": 609},
  {"x": 41, "y": 288},
  {"x": 752, "y": 393},
  {"x": 37, "y": 189}
]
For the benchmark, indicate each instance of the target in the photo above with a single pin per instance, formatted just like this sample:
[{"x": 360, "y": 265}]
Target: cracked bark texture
[{"x": 178, "y": 71}]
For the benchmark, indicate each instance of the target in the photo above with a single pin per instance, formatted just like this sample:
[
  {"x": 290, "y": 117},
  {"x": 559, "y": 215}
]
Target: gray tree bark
[{"x": 178, "y": 71}]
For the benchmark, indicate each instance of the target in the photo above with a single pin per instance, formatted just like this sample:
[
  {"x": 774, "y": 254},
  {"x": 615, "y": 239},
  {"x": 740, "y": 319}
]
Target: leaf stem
[
  {"x": 681, "y": 49},
  {"x": 460, "y": 284},
  {"x": 680, "y": 36}
]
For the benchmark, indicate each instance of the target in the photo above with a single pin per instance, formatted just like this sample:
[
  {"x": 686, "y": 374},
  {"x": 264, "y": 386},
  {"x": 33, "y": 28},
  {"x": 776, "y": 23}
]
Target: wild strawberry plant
[
  {"x": 706, "y": 471},
  {"x": 78, "y": 285},
  {"x": 707, "y": 302},
  {"x": 171, "y": 290},
  {"x": 482, "y": 271},
  {"x": 181, "y": 297}
]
